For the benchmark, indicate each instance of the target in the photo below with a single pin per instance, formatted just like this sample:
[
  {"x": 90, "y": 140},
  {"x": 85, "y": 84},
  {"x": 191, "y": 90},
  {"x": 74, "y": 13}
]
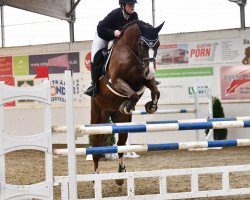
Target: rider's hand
[{"x": 117, "y": 33}]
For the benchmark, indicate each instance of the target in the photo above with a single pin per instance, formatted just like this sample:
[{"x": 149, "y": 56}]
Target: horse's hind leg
[
  {"x": 97, "y": 117},
  {"x": 122, "y": 139}
]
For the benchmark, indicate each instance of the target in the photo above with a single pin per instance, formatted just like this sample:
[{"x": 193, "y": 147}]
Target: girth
[{"x": 109, "y": 85}]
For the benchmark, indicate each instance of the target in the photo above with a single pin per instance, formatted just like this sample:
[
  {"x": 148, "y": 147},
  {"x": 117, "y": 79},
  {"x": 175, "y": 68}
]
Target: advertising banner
[
  {"x": 235, "y": 82},
  {"x": 178, "y": 85},
  {"x": 214, "y": 53},
  {"x": 56, "y": 63},
  {"x": 6, "y": 67},
  {"x": 20, "y": 65}
]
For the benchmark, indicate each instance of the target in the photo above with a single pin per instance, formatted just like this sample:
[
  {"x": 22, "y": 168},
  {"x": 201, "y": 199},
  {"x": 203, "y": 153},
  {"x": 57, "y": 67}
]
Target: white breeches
[{"x": 98, "y": 43}]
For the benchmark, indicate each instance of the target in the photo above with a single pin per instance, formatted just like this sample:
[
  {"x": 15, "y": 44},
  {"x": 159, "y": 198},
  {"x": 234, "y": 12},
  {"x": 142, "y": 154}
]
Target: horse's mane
[{"x": 139, "y": 22}]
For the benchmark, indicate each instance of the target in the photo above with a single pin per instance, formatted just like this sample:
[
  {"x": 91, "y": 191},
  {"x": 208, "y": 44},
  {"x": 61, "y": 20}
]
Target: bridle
[
  {"x": 142, "y": 61},
  {"x": 150, "y": 44}
]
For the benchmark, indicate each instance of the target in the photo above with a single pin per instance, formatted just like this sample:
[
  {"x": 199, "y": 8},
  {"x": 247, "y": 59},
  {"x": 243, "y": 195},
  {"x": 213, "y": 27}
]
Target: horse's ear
[{"x": 159, "y": 27}]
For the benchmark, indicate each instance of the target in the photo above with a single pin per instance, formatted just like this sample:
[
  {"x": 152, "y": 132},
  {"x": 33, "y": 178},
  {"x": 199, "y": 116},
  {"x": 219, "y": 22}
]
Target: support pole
[
  {"x": 153, "y": 12},
  {"x": 242, "y": 16},
  {"x": 196, "y": 103},
  {"x": 210, "y": 135},
  {"x": 72, "y": 21},
  {"x": 2, "y": 26},
  {"x": 241, "y": 4},
  {"x": 71, "y": 135},
  {"x": 71, "y": 31}
]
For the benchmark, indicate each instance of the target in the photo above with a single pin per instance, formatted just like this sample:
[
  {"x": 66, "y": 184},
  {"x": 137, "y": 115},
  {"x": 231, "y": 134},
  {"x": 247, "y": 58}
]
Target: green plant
[
  {"x": 109, "y": 139},
  {"x": 219, "y": 134}
]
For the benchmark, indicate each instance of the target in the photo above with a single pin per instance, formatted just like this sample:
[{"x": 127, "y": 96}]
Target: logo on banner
[
  {"x": 203, "y": 91},
  {"x": 236, "y": 81},
  {"x": 87, "y": 61},
  {"x": 204, "y": 52},
  {"x": 58, "y": 91}
]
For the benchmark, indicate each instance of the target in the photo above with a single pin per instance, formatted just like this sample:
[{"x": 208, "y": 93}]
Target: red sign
[
  {"x": 6, "y": 67},
  {"x": 88, "y": 61},
  {"x": 9, "y": 81},
  {"x": 42, "y": 72}
]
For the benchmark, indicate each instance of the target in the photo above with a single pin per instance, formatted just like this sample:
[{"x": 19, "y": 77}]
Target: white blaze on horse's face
[{"x": 150, "y": 70}]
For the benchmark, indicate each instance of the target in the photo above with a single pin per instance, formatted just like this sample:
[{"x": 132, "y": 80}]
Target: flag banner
[
  {"x": 42, "y": 72},
  {"x": 59, "y": 61}
]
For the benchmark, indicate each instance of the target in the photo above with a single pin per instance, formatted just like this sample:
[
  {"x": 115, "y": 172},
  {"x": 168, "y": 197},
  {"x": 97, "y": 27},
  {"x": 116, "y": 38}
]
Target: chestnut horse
[{"x": 131, "y": 69}]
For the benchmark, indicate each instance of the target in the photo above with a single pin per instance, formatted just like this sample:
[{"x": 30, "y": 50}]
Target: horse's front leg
[
  {"x": 151, "y": 106},
  {"x": 122, "y": 87}
]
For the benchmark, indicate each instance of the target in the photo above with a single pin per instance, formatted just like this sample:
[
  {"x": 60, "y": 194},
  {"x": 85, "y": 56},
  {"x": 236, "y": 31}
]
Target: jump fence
[
  {"x": 38, "y": 141},
  {"x": 42, "y": 141}
]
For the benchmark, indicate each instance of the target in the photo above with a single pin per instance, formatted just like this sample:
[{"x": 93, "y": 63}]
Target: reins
[{"x": 141, "y": 63}]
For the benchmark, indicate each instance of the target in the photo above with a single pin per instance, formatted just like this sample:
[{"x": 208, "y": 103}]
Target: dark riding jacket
[{"x": 113, "y": 21}]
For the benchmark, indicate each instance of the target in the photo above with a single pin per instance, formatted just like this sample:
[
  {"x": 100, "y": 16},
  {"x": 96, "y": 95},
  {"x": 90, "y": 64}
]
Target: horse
[{"x": 131, "y": 69}]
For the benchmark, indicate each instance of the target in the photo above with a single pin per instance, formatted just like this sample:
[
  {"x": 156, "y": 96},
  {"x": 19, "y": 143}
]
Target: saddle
[{"x": 103, "y": 56}]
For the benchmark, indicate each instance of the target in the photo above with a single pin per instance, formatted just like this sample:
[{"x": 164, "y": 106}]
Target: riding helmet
[{"x": 127, "y": 1}]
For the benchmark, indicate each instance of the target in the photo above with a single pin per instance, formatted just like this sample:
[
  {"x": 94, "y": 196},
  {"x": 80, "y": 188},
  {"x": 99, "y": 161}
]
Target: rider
[{"x": 107, "y": 30}]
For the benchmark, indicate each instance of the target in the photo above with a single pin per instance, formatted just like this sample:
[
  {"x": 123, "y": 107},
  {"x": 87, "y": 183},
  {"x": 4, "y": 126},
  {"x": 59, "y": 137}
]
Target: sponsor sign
[
  {"x": 20, "y": 65},
  {"x": 6, "y": 67},
  {"x": 235, "y": 82},
  {"x": 56, "y": 63},
  {"x": 87, "y": 61}
]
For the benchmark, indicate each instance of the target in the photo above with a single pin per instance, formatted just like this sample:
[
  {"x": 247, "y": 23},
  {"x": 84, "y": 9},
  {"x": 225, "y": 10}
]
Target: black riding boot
[{"x": 93, "y": 89}]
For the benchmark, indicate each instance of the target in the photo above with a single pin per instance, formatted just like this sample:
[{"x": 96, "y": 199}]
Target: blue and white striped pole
[
  {"x": 157, "y": 147},
  {"x": 59, "y": 129},
  {"x": 171, "y": 111},
  {"x": 134, "y": 128}
]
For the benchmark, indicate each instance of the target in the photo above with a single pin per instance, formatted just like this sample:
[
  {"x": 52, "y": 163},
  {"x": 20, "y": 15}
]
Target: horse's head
[
  {"x": 141, "y": 41},
  {"x": 147, "y": 47}
]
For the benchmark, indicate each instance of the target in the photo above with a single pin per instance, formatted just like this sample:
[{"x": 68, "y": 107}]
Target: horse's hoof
[
  {"x": 119, "y": 182},
  {"x": 150, "y": 107},
  {"x": 120, "y": 169},
  {"x": 126, "y": 108}
]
